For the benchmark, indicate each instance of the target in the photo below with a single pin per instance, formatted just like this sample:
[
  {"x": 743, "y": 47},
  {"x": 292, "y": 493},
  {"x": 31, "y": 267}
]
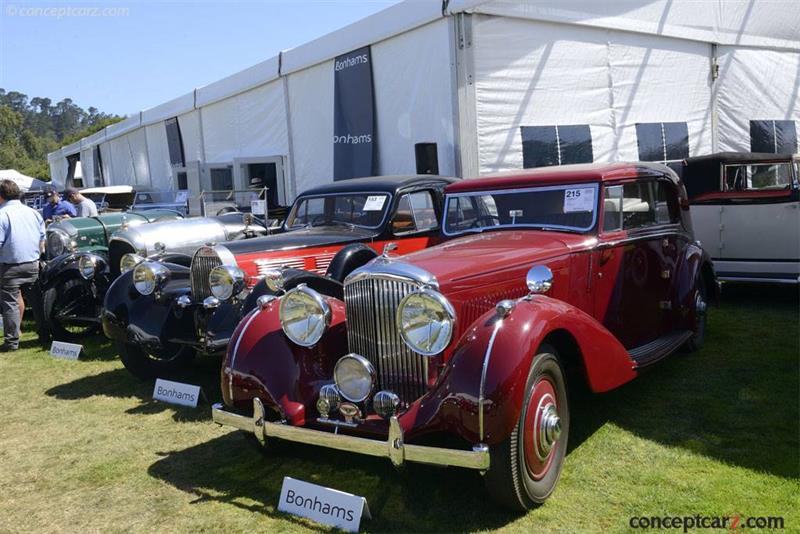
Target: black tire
[
  {"x": 695, "y": 342},
  {"x": 508, "y": 480},
  {"x": 146, "y": 366},
  {"x": 69, "y": 292}
]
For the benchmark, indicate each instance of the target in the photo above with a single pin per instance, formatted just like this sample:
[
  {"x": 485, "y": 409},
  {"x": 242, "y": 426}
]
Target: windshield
[
  {"x": 356, "y": 209},
  {"x": 568, "y": 207},
  {"x": 161, "y": 197}
]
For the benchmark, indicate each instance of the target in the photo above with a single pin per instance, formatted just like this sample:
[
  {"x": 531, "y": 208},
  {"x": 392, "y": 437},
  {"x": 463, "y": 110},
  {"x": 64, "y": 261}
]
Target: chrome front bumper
[{"x": 394, "y": 448}]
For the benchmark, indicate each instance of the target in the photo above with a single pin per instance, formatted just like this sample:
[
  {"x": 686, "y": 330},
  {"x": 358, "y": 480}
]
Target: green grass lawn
[{"x": 84, "y": 448}]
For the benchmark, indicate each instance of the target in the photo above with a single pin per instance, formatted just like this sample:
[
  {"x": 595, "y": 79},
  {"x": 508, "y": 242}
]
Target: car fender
[
  {"x": 67, "y": 265},
  {"x": 262, "y": 362},
  {"x": 149, "y": 319},
  {"x": 695, "y": 263},
  {"x": 348, "y": 259},
  {"x": 480, "y": 393}
]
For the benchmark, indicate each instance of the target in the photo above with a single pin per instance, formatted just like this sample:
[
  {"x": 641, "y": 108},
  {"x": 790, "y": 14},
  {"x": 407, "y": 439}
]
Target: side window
[
  {"x": 762, "y": 177},
  {"x": 415, "y": 213},
  {"x": 423, "y": 210},
  {"x": 642, "y": 204},
  {"x": 612, "y": 209}
]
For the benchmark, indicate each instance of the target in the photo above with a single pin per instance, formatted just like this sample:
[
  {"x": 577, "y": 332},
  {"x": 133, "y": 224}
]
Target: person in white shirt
[{"x": 84, "y": 206}]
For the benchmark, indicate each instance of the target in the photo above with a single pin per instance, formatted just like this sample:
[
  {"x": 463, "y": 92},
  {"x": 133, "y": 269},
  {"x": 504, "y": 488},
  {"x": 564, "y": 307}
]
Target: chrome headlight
[
  {"x": 304, "y": 315},
  {"x": 149, "y": 276},
  {"x": 87, "y": 265},
  {"x": 57, "y": 242},
  {"x": 226, "y": 281},
  {"x": 129, "y": 261},
  {"x": 354, "y": 376},
  {"x": 426, "y": 321}
]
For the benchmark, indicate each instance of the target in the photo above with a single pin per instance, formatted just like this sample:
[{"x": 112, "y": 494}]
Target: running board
[{"x": 658, "y": 349}]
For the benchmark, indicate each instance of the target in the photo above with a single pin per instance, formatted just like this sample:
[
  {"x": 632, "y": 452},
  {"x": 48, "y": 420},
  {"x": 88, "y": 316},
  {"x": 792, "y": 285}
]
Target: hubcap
[
  {"x": 550, "y": 429},
  {"x": 542, "y": 428},
  {"x": 699, "y": 304}
]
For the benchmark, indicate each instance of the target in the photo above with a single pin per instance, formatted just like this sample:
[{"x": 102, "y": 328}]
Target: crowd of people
[{"x": 22, "y": 241}]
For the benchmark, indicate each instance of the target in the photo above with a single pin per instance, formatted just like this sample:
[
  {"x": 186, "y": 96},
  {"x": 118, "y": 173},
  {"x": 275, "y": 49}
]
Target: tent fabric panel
[
  {"x": 249, "y": 124},
  {"x": 725, "y": 22},
  {"x": 172, "y": 108},
  {"x": 87, "y": 167},
  {"x": 122, "y": 166},
  {"x": 311, "y": 112},
  {"x": 158, "y": 156},
  {"x": 755, "y": 85},
  {"x": 520, "y": 81},
  {"x": 384, "y": 24},
  {"x": 413, "y": 98},
  {"x": 660, "y": 80},
  {"x": 58, "y": 171},
  {"x": 190, "y": 133},
  {"x": 239, "y": 82},
  {"x": 138, "y": 147},
  {"x": 122, "y": 127}
]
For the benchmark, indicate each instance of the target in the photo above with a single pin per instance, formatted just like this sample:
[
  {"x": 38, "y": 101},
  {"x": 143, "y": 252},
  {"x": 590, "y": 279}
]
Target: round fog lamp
[
  {"x": 354, "y": 377},
  {"x": 426, "y": 321},
  {"x": 87, "y": 266}
]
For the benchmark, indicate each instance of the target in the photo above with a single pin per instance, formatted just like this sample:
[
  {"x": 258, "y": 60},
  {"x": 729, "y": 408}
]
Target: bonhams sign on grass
[
  {"x": 323, "y": 505},
  {"x": 176, "y": 393},
  {"x": 65, "y": 351}
]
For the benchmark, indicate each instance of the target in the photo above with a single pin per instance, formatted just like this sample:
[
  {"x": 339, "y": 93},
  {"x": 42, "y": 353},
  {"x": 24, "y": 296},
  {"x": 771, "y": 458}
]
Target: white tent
[
  {"x": 25, "y": 183},
  {"x": 490, "y": 85}
]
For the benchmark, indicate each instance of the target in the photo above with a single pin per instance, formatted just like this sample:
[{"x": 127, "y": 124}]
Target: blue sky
[{"x": 132, "y": 55}]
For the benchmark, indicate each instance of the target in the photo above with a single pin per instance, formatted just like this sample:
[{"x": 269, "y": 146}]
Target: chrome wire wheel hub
[{"x": 549, "y": 429}]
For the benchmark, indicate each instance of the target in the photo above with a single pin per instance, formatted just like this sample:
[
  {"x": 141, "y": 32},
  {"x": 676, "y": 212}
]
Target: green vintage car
[{"x": 70, "y": 243}]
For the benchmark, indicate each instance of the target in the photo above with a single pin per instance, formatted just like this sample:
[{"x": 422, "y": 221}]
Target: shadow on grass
[
  {"x": 236, "y": 472},
  {"x": 120, "y": 383},
  {"x": 735, "y": 400}
]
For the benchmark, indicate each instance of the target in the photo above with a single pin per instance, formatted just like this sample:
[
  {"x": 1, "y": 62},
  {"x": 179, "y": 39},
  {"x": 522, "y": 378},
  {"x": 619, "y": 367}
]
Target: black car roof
[
  {"x": 737, "y": 157},
  {"x": 701, "y": 174},
  {"x": 381, "y": 184}
]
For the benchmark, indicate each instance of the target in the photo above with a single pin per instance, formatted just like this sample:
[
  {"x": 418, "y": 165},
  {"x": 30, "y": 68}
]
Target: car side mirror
[{"x": 539, "y": 280}]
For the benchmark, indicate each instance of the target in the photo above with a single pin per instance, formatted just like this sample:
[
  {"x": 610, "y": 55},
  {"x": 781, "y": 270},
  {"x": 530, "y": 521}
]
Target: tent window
[
  {"x": 97, "y": 167},
  {"x": 72, "y": 167},
  {"x": 222, "y": 179},
  {"x": 175, "y": 142},
  {"x": 775, "y": 137},
  {"x": 543, "y": 146},
  {"x": 662, "y": 141}
]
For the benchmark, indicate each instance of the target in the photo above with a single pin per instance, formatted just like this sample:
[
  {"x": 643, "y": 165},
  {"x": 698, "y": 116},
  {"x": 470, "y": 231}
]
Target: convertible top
[
  {"x": 701, "y": 174},
  {"x": 384, "y": 184}
]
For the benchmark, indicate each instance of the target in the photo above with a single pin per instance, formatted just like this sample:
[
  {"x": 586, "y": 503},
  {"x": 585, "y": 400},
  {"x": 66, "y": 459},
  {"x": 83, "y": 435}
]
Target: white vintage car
[{"x": 746, "y": 213}]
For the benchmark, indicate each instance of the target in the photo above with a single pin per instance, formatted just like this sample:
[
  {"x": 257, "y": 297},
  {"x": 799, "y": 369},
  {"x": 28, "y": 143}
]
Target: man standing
[
  {"x": 56, "y": 207},
  {"x": 85, "y": 207},
  {"x": 21, "y": 243}
]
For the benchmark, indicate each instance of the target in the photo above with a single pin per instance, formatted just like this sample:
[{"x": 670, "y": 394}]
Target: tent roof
[
  {"x": 26, "y": 183},
  {"x": 727, "y": 22}
]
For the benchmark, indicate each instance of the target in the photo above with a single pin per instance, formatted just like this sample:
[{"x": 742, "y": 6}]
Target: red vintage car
[{"x": 552, "y": 279}]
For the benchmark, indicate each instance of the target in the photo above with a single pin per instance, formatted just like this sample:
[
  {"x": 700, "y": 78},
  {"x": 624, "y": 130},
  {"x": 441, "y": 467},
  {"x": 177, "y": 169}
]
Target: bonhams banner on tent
[{"x": 353, "y": 116}]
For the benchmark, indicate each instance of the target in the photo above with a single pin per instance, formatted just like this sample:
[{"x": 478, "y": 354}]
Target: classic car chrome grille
[
  {"x": 371, "y": 305},
  {"x": 318, "y": 264},
  {"x": 203, "y": 261}
]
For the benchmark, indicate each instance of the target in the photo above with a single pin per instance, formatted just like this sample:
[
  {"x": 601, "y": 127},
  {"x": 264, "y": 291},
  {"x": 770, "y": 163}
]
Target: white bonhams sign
[
  {"x": 324, "y": 505},
  {"x": 66, "y": 351},
  {"x": 176, "y": 393}
]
